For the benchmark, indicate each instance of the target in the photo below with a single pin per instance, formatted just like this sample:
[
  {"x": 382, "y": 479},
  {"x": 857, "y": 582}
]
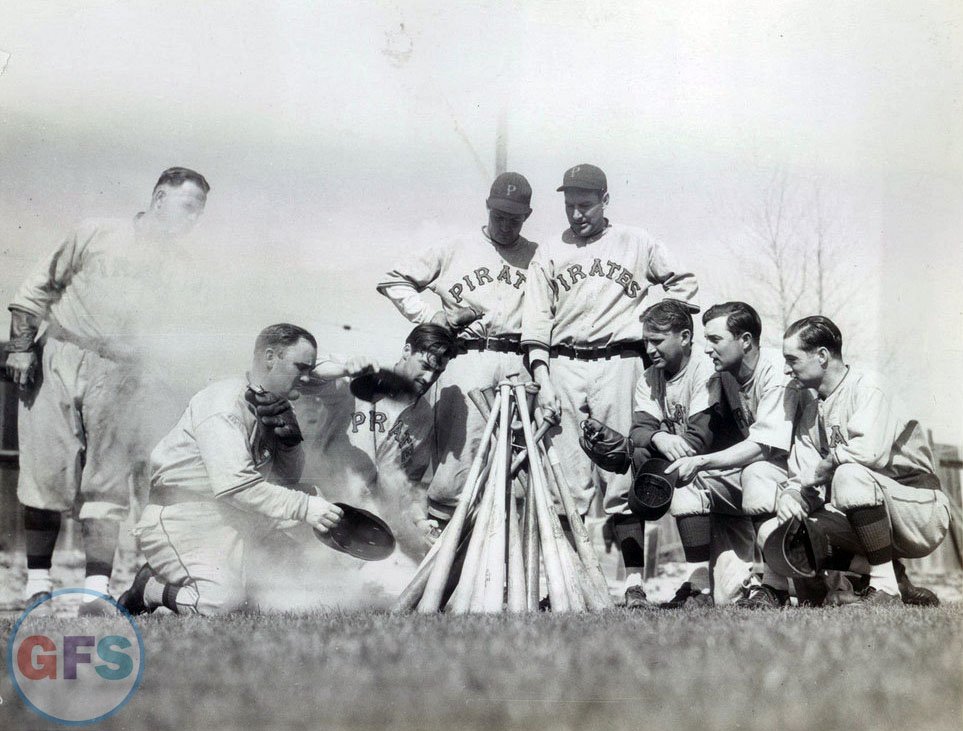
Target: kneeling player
[
  {"x": 217, "y": 484},
  {"x": 858, "y": 469}
]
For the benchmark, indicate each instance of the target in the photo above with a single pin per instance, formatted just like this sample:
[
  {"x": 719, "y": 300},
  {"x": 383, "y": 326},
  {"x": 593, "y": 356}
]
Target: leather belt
[
  {"x": 497, "y": 345},
  {"x": 626, "y": 349}
]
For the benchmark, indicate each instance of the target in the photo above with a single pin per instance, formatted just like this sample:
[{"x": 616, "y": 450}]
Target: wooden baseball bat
[
  {"x": 530, "y": 548},
  {"x": 434, "y": 588},
  {"x": 461, "y": 599},
  {"x": 479, "y": 398},
  {"x": 597, "y": 587},
  {"x": 557, "y": 591}
]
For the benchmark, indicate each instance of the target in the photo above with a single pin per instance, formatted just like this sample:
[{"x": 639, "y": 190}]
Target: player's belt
[
  {"x": 626, "y": 349},
  {"x": 498, "y": 345}
]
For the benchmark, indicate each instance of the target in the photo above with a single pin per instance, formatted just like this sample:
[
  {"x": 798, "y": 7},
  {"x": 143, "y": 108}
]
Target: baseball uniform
[
  {"x": 581, "y": 315},
  {"x": 881, "y": 459},
  {"x": 471, "y": 271},
  {"x": 370, "y": 455},
  {"x": 217, "y": 482},
  {"x": 93, "y": 291}
]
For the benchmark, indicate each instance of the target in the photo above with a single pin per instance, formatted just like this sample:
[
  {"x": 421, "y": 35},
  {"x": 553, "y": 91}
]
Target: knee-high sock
[
  {"x": 696, "y": 534},
  {"x": 41, "y": 528},
  {"x": 871, "y": 526},
  {"x": 100, "y": 543},
  {"x": 629, "y": 534}
]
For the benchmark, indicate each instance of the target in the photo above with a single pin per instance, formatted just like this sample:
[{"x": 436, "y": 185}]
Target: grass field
[{"x": 722, "y": 668}]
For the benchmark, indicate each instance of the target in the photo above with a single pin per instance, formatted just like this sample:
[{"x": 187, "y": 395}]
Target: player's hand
[
  {"x": 789, "y": 505},
  {"x": 322, "y": 515},
  {"x": 823, "y": 474},
  {"x": 457, "y": 319},
  {"x": 548, "y": 400},
  {"x": 358, "y": 365},
  {"x": 429, "y": 529},
  {"x": 687, "y": 467},
  {"x": 672, "y": 446},
  {"x": 21, "y": 367}
]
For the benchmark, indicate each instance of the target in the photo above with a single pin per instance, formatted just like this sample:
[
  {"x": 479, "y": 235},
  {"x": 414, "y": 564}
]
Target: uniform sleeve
[
  {"x": 403, "y": 284},
  {"x": 538, "y": 304},
  {"x": 663, "y": 270},
  {"x": 870, "y": 431},
  {"x": 774, "y": 418},
  {"x": 53, "y": 274},
  {"x": 647, "y": 412},
  {"x": 698, "y": 431},
  {"x": 288, "y": 465},
  {"x": 804, "y": 455}
]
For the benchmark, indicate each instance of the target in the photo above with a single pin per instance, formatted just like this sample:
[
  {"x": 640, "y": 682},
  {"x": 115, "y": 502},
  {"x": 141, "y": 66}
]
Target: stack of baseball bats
[{"x": 506, "y": 527}]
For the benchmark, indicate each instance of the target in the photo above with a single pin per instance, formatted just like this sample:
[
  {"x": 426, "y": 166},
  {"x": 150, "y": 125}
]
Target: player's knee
[
  {"x": 853, "y": 486},
  {"x": 766, "y": 530},
  {"x": 688, "y": 500},
  {"x": 759, "y": 490},
  {"x": 215, "y": 598}
]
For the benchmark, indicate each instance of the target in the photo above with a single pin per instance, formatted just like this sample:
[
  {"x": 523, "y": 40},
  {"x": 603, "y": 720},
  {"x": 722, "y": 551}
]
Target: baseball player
[
  {"x": 80, "y": 374},
  {"x": 756, "y": 405},
  {"x": 480, "y": 280},
  {"x": 858, "y": 469},
  {"x": 374, "y": 453},
  {"x": 219, "y": 482},
  {"x": 583, "y": 337}
]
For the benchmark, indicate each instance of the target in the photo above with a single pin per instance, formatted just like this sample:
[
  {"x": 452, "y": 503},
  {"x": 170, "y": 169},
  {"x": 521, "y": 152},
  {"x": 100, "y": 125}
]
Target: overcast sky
[{"x": 338, "y": 137}]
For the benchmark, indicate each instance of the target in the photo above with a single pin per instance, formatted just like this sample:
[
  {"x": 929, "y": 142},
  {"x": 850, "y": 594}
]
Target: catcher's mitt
[
  {"x": 652, "y": 489},
  {"x": 606, "y": 447},
  {"x": 372, "y": 386},
  {"x": 276, "y": 414},
  {"x": 360, "y": 534},
  {"x": 796, "y": 549}
]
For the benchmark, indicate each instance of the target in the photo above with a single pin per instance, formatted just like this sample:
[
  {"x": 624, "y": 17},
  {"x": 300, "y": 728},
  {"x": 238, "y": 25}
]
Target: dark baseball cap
[
  {"x": 510, "y": 193},
  {"x": 586, "y": 177},
  {"x": 652, "y": 489},
  {"x": 797, "y": 549}
]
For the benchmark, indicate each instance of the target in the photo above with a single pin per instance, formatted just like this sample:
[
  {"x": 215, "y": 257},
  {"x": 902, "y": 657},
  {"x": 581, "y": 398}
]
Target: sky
[{"x": 339, "y": 137}]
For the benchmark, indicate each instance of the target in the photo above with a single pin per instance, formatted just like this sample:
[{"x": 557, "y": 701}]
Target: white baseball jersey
[
  {"x": 99, "y": 279},
  {"x": 859, "y": 423},
  {"x": 217, "y": 450},
  {"x": 672, "y": 401},
  {"x": 358, "y": 451},
  {"x": 589, "y": 292},
  {"x": 767, "y": 403},
  {"x": 471, "y": 271}
]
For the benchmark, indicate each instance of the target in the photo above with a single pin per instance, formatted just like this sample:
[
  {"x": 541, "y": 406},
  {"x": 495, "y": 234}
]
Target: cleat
[
  {"x": 133, "y": 599},
  {"x": 763, "y": 596},
  {"x": 915, "y": 595},
  {"x": 688, "y": 597},
  {"x": 813, "y": 592},
  {"x": 635, "y": 598},
  {"x": 545, "y": 604},
  {"x": 875, "y": 598},
  {"x": 95, "y": 608}
]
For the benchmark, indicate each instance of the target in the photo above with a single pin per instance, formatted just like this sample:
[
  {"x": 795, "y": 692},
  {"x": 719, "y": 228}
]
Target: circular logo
[{"x": 77, "y": 671}]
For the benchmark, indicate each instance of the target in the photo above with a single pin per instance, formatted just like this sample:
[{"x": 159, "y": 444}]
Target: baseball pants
[
  {"x": 598, "y": 389},
  {"x": 74, "y": 454},
  {"x": 459, "y": 424}
]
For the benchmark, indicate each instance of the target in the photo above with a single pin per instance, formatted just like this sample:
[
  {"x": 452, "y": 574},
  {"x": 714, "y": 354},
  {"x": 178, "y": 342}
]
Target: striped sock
[
  {"x": 873, "y": 530},
  {"x": 695, "y": 532}
]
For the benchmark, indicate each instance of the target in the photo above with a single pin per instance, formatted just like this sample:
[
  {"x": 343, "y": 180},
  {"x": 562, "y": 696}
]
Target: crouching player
[
  {"x": 217, "y": 483},
  {"x": 862, "y": 473},
  {"x": 755, "y": 404}
]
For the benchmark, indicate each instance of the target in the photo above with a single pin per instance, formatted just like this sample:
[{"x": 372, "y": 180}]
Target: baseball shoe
[
  {"x": 763, "y": 596},
  {"x": 875, "y": 598},
  {"x": 42, "y": 610},
  {"x": 811, "y": 592},
  {"x": 915, "y": 595},
  {"x": 94, "y": 608},
  {"x": 688, "y": 597},
  {"x": 133, "y": 599},
  {"x": 635, "y": 598}
]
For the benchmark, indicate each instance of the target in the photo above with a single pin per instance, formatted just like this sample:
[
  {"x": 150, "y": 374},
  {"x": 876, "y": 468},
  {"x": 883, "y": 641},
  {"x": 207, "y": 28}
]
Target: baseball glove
[
  {"x": 606, "y": 447},
  {"x": 276, "y": 414},
  {"x": 360, "y": 534},
  {"x": 372, "y": 386}
]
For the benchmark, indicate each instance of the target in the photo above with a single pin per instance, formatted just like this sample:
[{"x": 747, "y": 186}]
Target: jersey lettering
[
  {"x": 575, "y": 272},
  {"x": 483, "y": 276},
  {"x": 836, "y": 437},
  {"x": 505, "y": 275},
  {"x": 613, "y": 268},
  {"x": 378, "y": 419},
  {"x": 519, "y": 278},
  {"x": 455, "y": 292},
  {"x": 596, "y": 270},
  {"x": 467, "y": 278}
]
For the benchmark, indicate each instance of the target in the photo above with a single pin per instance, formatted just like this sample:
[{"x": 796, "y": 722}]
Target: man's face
[
  {"x": 177, "y": 208},
  {"x": 805, "y": 367},
  {"x": 585, "y": 210},
  {"x": 422, "y": 368},
  {"x": 666, "y": 350},
  {"x": 505, "y": 228},
  {"x": 725, "y": 349},
  {"x": 289, "y": 368}
]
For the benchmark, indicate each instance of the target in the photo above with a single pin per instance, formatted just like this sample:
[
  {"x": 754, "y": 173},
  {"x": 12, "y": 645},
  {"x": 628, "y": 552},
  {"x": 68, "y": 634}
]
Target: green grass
[{"x": 712, "y": 669}]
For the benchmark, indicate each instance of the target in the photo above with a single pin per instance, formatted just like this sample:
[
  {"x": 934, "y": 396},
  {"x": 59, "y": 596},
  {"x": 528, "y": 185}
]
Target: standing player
[
  {"x": 75, "y": 379},
  {"x": 217, "y": 481},
  {"x": 374, "y": 454},
  {"x": 756, "y": 404},
  {"x": 858, "y": 468},
  {"x": 480, "y": 280},
  {"x": 582, "y": 333}
]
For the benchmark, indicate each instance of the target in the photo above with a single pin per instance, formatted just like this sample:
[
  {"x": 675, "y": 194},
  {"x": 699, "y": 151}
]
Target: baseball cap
[
  {"x": 510, "y": 193},
  {"x": 586, "y": 177},
  {"x": 797, "y": 549},
  {"x": 652, "y": 489}
]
